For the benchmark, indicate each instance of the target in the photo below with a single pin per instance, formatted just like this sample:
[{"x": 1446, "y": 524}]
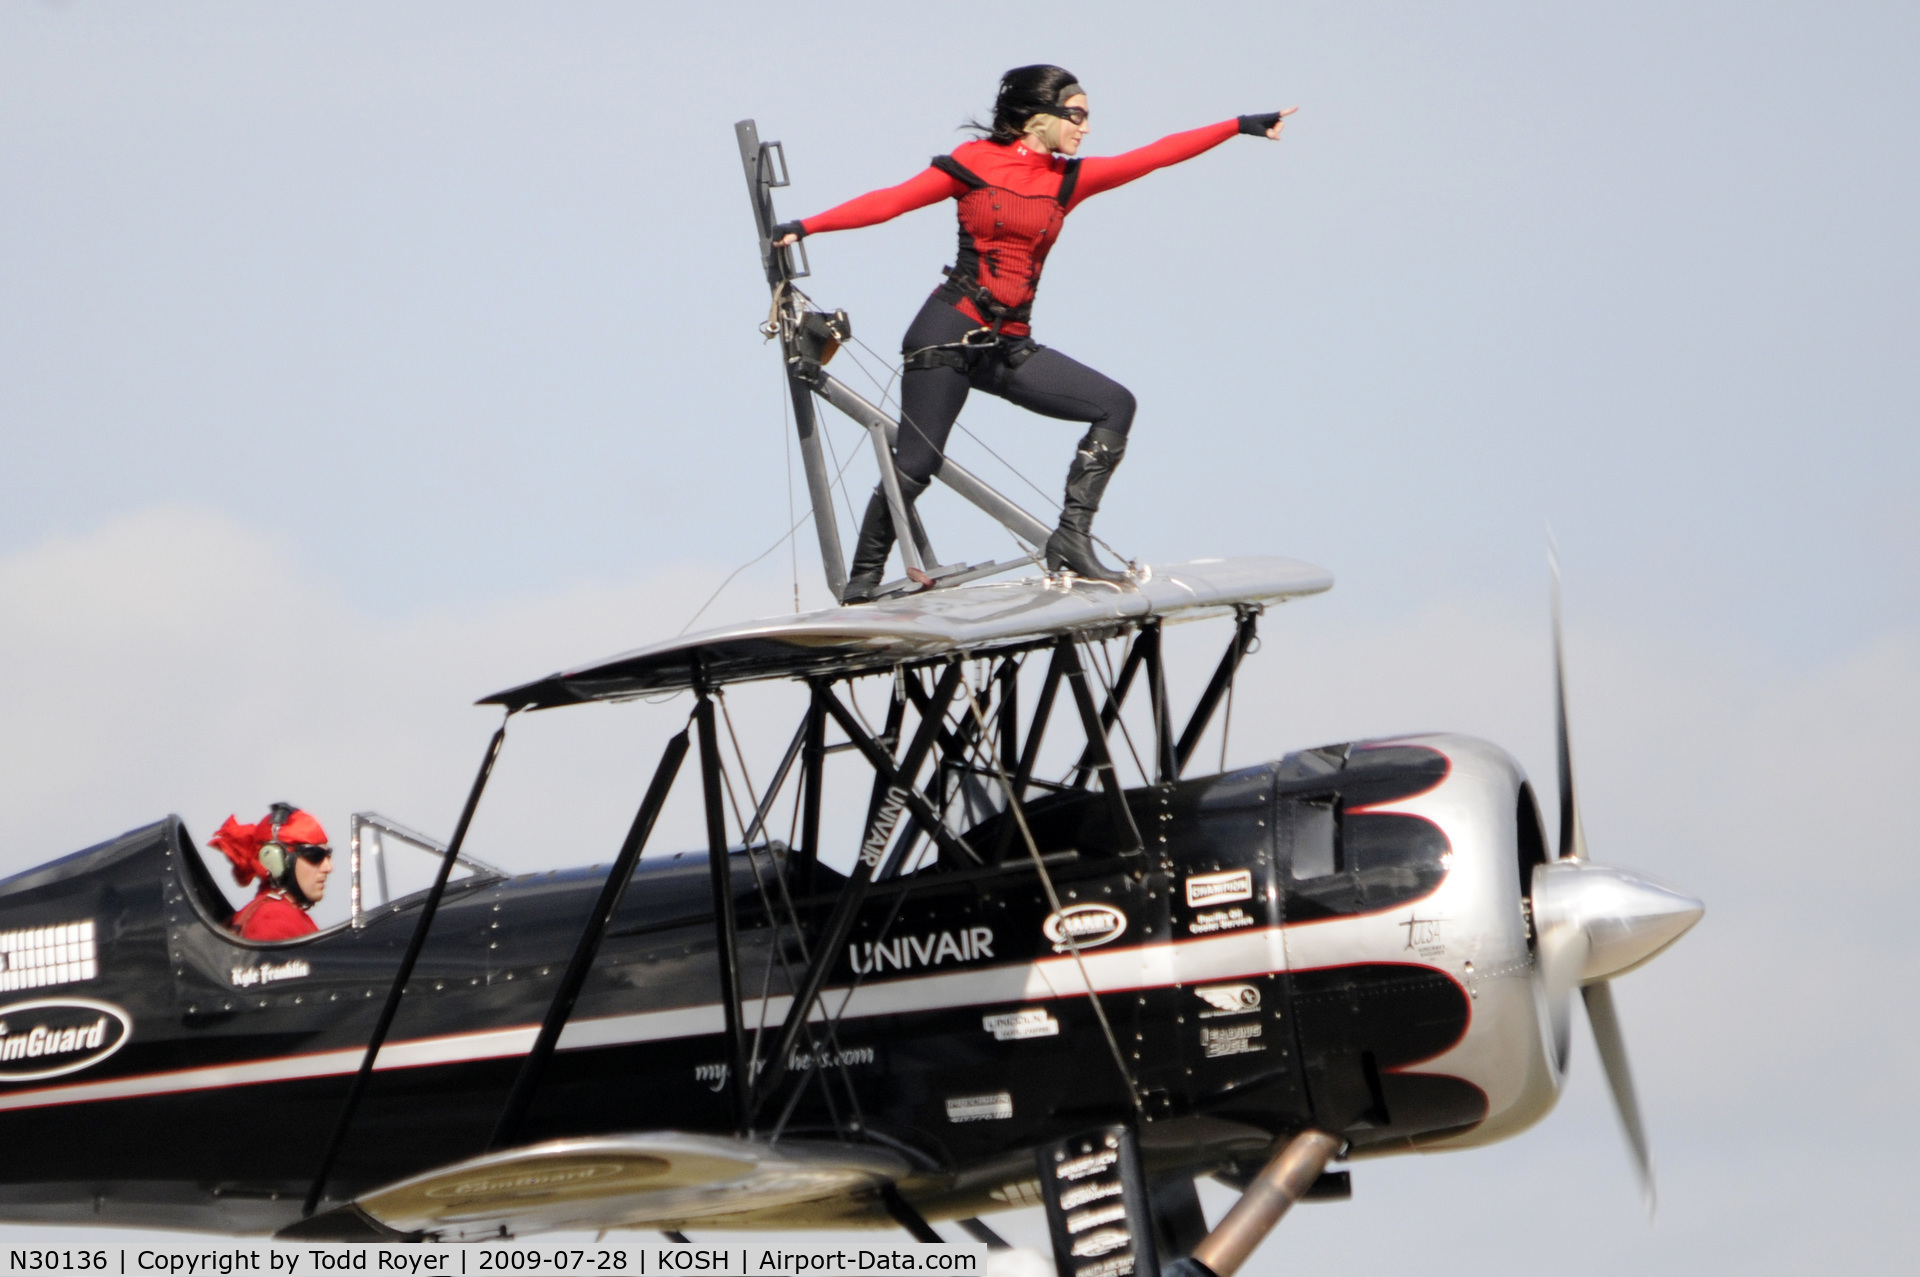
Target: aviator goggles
[{"x": 1074, "y": 115}]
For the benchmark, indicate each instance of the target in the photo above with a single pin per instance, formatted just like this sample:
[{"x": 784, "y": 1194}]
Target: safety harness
[{"x": 963, "y": 281}]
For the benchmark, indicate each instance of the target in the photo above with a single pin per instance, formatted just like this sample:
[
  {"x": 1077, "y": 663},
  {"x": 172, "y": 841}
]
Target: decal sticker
[
  {"x": 997, "y": 1107},
  {"x": 1089, "y": 1194},
  {"x": 1079, "y": 1223},
  {"x": 545, "y": 1181},
  {"x": 56, "y": 1036},
  {"x": 1014, "y": 1026},
  {"x": 1229, "y": 999},
  {"x": 903, "y": 953},
  {"x": 1230, "y": 1039},
  {"x": 1106, "y": 1241},
  {"x": 40, "y": 956},
  {"x": 1424, "y": 935},
  {"x": 1207, "y": 889},
  {"x": 884, "y": 820},
  {"x": 1092, "y": 1164},
  {"x": 715, "y": 1075},
  {"x": 1089, "y": 925},
  {"x": 1074, "y": 1198},
  {"x": 269, "y": 973},
  {"x": 1118, "y": 1266},
  {"x": 845, "y": 1057},
  {"x": 1219, "y": 920}
]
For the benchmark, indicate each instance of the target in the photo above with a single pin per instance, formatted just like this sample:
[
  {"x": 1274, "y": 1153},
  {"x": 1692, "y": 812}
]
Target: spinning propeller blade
[
  {"x": 1593, "y": 923},
  {"x": 1613, "y": 1056},
  {"x": 1573, "y": 836}
]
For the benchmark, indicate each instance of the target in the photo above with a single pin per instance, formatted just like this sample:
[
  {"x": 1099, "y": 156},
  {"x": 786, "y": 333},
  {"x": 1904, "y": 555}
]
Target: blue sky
[
  {"x": 459, "y": 300},
  {"x": 358, "y": 361}
]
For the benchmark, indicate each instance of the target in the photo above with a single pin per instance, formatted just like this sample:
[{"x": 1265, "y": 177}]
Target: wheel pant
[{"x": 1045, "y": 381}]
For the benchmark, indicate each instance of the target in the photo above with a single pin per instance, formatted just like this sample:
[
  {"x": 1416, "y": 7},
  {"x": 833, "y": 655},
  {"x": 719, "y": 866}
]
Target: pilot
[{"x": 287, "y": 851}]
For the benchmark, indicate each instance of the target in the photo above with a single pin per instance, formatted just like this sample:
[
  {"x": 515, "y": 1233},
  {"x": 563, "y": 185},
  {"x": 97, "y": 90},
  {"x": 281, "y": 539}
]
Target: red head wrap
[{"x": 242, "y": 843}]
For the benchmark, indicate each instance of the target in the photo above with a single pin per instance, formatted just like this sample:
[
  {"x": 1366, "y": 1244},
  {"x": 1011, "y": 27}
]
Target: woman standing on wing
[{"x": 1014, "y": 188}]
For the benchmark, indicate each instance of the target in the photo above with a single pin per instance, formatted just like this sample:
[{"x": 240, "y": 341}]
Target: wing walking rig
[{"x": 809, "y": 338}]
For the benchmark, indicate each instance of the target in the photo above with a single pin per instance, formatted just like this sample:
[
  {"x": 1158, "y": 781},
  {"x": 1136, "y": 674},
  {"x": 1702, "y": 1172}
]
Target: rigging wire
[
  {"x": 906, "y": 873},
  {"x": 1107, "y": 682},
  {"x": 766, "y": 981},
  {"x": 778, "y": 951},
  {"x": 853, "y": 520},
  {"x": 1226, "y": 723},
  {"x": 793, "y": 543},
  {"x": 838, "y": 477},
  {"x": 906, "y": 423},
  {"x": 1053, "y": 899}
]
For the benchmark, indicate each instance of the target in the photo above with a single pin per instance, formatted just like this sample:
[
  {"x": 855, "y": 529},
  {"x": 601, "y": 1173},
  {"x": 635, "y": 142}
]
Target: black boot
[
  {"x": 1070, "y": 545},
  {"x": 876, "y": 541}
]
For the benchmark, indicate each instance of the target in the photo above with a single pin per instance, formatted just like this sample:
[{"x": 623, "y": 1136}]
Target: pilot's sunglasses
[
  {"x": 1075, "y": 115},
  {"x": 311, "y": 853}
]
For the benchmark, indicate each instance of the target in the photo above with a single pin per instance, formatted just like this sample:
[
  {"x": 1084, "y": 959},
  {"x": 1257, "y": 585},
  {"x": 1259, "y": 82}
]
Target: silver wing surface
[
  {"x": 662, "y": 1179},
  {"x": 977, "y": 620}
]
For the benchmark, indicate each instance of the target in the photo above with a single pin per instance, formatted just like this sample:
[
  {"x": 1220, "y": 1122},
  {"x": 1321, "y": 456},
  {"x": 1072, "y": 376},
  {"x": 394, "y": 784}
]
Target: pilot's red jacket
[{"x": 272, "y": 916}]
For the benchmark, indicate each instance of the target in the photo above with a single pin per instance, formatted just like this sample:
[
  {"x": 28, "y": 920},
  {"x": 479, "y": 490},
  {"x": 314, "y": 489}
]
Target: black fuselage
[{"x": 214, "y": 1074}]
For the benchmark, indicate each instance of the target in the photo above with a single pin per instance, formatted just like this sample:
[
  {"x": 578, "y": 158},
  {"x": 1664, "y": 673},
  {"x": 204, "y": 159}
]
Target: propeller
[{"x": 1592, "y": 923}]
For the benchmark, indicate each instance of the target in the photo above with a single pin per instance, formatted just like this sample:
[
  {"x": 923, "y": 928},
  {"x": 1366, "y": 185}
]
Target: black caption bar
[{"x": 496, "y": 1259}]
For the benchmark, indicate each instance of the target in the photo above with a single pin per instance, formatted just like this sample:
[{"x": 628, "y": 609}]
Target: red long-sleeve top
[{"x": 1012, "y": 202}]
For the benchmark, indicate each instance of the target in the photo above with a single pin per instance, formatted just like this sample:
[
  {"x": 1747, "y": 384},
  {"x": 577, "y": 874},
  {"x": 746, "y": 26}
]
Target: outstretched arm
[
  {"x": 1104, "y": 172},
  {"x": 929, "y": 187}
]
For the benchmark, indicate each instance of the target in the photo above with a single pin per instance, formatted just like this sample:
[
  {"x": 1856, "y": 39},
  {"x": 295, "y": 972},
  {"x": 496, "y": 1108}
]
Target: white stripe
[{"x": 1252, "y": 952}]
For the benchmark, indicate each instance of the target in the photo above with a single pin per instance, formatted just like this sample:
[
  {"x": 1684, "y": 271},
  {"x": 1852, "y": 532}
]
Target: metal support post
[
  {"x": 1036, "y": 732},
  {"x": 1123, "y": 824},
  {"x": 897, "y": 506},
  {"x": 528, "y": 1081},
  {"x": 951, "y": 473},
  {"x": 774, "y": 786},
  {"x": 1009, "y": 715},
  {"x": 1284, "y": 1181},
  {"x": 953, "y": 747},
  {"x": 896, "y": 714},
  {"x": 812, "y": 773},
  {"x": 391, "y": 1007},
  {"x": 826, "y": 525},
  {"x": 884, "y": 769},
  {"x": 893, "y": 793},
  {"x": 1110, "y": 712},
  {"x": 353, "y": 868},
  {"x": 909, "y": 1218},
  {"x": 1243, "y": 634},
  {"x": 720, "y": 870},
  {"x": 1164, "y": 772},
  {"x": 765, "y": 167}
]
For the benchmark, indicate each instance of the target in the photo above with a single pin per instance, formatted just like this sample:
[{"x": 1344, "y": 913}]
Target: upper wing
[{"x": 975, "y": 619}]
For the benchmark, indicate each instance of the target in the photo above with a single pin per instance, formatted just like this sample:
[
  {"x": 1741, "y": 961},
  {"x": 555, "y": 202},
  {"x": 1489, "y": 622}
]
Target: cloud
[{"x": 172, "y": 661}]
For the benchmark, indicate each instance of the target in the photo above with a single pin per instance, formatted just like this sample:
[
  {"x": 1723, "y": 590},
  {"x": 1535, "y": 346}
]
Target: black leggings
[{"x": 1046, "y": 382}]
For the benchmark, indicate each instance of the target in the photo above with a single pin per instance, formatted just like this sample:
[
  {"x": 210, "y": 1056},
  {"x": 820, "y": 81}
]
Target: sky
[{"x": 357, "y": 362}]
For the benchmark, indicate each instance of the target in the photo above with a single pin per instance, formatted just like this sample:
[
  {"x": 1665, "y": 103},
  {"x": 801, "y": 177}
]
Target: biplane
[{"x": 1029, "y": 985}]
